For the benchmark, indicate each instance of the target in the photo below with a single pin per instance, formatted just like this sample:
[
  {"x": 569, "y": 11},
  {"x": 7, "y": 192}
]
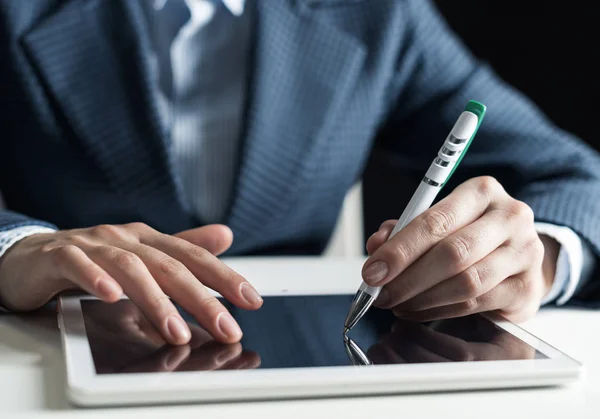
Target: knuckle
[
  {"x": 457, "y": 251},
  {"x": 126, "y": 260},
  {"x": 470, "y": 282},
  {"x": 66, "y": 251},
  {"x": 108, "y": 232},
  {"x": 470, "y": 306},
  {"x": 107, "y": 251},
  {"x": 138, "y": 227},
  {"x": 521, "y": 210},
  {"x": 487, "y": 186},
  {"x": 76, "y": 239},
  {"x": 198, "y": 253},
  {"x": 48, "y": 248},
  {"x": 170, "y": 267},
  {"x": 439, "y": 222}
]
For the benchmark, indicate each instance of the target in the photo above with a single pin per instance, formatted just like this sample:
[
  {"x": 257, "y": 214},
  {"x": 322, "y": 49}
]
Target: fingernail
[
  {"x": 383, "y": 298},
  {"x": 227, "y": 326},
  {"x": 376, "y": 272},
  {"x": 250, "y": 294},
  {"x": 177, "y": 329},
  {"x": 108, "y": 289}
]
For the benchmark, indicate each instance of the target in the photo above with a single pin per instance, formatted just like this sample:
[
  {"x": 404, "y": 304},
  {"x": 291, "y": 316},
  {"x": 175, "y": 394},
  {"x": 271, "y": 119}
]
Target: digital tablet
[{"x": 293, "y": 347}]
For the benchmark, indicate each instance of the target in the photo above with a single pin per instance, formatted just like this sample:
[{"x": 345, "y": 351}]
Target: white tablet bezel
[{"x": 85, "y": 387}]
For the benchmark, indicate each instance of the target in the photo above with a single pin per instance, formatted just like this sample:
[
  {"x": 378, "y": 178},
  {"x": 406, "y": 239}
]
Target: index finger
[
  {"x": 208, "y": 269},
  {"x": 464, "y": 205}
]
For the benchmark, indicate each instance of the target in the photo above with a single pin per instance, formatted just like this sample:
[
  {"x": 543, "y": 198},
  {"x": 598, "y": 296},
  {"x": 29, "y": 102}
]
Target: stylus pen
[{"x": 454, "y": 148}]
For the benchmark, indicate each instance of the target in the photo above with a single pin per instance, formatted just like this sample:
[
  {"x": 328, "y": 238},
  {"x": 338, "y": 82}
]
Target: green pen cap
[{"x": 478, "y": 109}]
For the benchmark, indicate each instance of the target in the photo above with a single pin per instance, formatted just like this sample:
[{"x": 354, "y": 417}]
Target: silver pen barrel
[{"x": 360, "y": 304}]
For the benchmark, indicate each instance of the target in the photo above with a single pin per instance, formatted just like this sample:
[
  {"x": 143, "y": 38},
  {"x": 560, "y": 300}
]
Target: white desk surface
[{"x": 32, "y": 376}]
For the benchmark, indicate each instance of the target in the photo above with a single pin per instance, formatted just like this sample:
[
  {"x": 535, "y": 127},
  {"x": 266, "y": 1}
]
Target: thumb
[{"x": 216, "y": 238}]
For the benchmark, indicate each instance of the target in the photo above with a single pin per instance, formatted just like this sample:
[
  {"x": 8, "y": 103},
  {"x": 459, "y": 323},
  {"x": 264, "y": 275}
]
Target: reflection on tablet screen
[{"x": 294, "y": 331}]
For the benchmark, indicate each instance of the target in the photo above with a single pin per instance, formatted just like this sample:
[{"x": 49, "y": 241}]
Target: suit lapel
[
  {"x": 303, "y": 70},
  {"x": 93, "y": 57}
]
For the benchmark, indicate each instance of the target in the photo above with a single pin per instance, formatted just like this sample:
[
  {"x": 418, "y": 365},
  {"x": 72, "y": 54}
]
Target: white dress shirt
[{"x": 201, "y": 55}]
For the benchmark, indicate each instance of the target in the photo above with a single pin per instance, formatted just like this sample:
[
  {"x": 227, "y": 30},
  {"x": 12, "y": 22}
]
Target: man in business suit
[{"x": 135, "y": 131}]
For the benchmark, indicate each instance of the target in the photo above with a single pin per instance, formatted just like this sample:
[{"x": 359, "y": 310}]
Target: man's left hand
[{"x": 476, "y": 250}]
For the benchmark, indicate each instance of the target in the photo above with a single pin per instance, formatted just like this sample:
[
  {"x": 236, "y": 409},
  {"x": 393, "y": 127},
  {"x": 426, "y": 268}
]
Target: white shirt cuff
[
  {"x": 574, "y": 262},
  {"x": 10, "y": 237}
]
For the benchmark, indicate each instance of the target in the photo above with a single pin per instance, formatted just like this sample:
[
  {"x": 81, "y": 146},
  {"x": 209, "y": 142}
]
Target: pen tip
[{"x": 346, "y": 330}]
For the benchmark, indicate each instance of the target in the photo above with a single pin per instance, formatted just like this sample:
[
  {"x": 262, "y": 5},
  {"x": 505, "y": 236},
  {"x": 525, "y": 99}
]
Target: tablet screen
[{"x": 293, "y": 332}]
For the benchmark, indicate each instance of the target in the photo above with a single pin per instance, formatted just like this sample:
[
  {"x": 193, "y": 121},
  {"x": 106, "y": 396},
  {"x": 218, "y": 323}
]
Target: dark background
[{"x": 547, "y": 49}]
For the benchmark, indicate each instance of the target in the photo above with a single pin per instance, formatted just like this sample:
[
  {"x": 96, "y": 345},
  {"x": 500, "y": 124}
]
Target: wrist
[
  {"x": 18, "y": 285},
  {"x": 17, "y": 239}
]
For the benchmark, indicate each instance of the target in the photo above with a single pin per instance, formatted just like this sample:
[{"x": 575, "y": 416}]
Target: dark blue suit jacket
[{"x": 332, "y": 81}]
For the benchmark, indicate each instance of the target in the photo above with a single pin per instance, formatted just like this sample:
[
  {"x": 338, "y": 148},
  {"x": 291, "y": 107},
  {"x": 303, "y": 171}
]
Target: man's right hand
[{"x": 148, "y": 266}]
